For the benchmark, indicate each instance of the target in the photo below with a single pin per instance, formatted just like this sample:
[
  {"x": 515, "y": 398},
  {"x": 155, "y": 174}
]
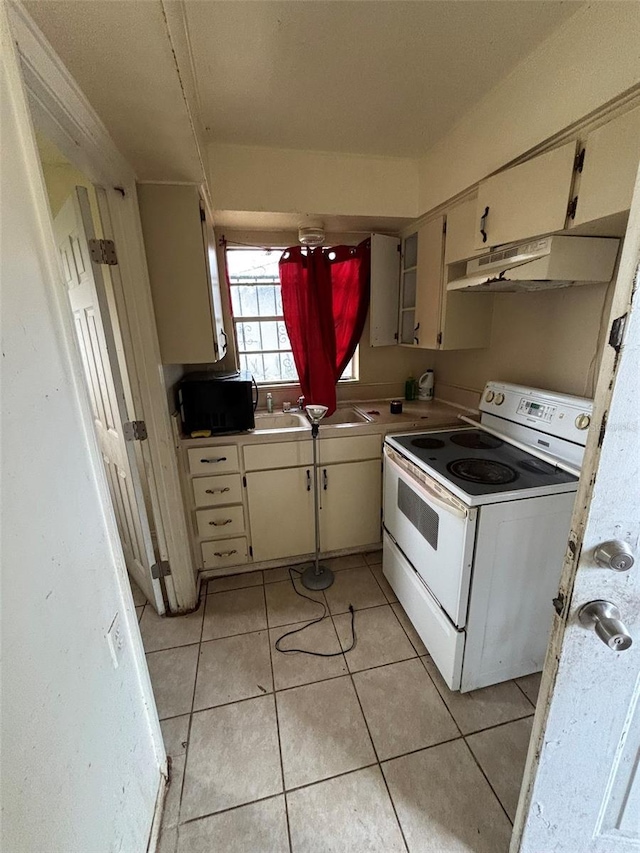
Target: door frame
[
  {"x": 626, "y": 285},
  {"x": 60, "y": 109}
]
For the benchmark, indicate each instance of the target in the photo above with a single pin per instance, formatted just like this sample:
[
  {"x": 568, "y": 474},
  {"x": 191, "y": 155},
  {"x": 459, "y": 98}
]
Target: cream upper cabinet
[
  {"x": 526, "y": 200},
  {"x": 183, "y": 273},
  {"x": 350, "y": 501},
  {"x": 281, "y": 512},
  {"x": 421, "y": 285},
  {"x": 385, "y": 290},
  {"x": 461, "y": 232},
  {"x": 612, "y": 154}
]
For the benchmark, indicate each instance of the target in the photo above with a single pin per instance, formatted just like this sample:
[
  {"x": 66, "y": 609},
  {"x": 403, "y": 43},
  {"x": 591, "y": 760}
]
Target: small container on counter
[
  {"x": 410, "y": 389},
  {"x": 395, "y": 407},
  {"x": 426, "y": 386},
  {"x": 269, "y": 402}
]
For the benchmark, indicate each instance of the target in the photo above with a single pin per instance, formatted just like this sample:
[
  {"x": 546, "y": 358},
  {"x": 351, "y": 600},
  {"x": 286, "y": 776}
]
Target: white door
[
  {"x": 581, "y": 792},
  {"x": 73, "y": 229},
  {"x": 350, "y": 495}
]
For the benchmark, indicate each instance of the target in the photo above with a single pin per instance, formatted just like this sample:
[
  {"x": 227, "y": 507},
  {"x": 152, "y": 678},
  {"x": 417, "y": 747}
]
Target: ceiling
[
  {"x": 385, "y": 78},
  {"x": 119, "y": 53}
]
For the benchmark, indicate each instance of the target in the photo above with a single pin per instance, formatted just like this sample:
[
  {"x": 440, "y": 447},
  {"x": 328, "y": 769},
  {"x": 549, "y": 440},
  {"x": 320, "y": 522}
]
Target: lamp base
[{"x": 317, "y": 580}]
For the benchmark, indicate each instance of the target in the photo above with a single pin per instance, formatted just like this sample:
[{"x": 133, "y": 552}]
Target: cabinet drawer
[
  {"x": 226, "y": 552},
  {"x": 285, "y": 454},
  {"x": 215, "y": 523},
  {"x": 212, "y": 491},
  {"x": 444, "y": 643},
  {"x": 213, "y": 460},
  {"x": 347, "y": 449}
]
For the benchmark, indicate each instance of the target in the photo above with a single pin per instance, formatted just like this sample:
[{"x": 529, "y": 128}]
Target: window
[{"x": 263, "y": 344}]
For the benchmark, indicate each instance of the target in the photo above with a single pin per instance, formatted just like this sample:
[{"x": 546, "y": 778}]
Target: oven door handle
[{"x": 429, "y": 494}]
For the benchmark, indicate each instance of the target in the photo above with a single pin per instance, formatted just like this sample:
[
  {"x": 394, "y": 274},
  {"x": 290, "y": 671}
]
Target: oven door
[{"x": 434, "y": 530}]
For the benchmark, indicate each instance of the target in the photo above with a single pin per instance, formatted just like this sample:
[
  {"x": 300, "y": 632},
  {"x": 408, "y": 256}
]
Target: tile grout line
[
  {"x": 479, "y": 766},
  {"x": 203, "y": 602},
  {"x": 373, "y": 746},
  {"x": 515, "y": 681},
  {"x": 267, "y": 628},
  {"x": 275, "y": 706},
  {"x": 475, "y": 731},
  {"x": 464, "y": 738}
]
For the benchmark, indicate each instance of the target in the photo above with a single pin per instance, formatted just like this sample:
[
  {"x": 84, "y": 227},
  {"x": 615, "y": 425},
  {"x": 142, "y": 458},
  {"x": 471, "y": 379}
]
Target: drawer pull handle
[
  {"x": 308, "y": 480},
  {"x": 224, "y": 553},
  {"x": 217, "y": 491},
  {"x": 325, "y": 481},
  {"x": 221, "y": 523},
  {"x": 219, "y": 459}
]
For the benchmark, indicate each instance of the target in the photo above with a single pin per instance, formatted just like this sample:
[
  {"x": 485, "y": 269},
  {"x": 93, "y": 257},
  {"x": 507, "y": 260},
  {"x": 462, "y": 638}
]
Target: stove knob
[
  {"x": 489, "y": 396},
  {"x": 582, "y": 421},
  {"x": 499, "y": 399}
]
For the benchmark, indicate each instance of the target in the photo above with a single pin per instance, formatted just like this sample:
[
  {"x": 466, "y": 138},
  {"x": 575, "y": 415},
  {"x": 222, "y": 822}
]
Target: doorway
[{"x": 78, "y": 230}]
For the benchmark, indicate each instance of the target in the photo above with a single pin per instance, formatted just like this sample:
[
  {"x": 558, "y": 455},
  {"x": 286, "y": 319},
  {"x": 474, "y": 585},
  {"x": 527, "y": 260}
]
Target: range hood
[{"x": 547, "y": 262}]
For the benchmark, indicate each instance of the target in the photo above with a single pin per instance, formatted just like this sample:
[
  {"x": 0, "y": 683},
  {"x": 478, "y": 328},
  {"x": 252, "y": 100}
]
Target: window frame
[{"x": 274, "y": 318}]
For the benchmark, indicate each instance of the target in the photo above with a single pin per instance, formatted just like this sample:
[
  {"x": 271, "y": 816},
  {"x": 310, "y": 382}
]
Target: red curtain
[{"x": 325, "y": 299}]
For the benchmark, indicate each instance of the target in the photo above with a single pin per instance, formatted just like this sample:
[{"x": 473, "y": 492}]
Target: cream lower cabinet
[
  {"x": 350, "y": 501},
  {"x": 281, "y": 512}
]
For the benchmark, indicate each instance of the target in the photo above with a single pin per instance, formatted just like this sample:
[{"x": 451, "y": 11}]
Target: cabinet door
[
  {"x": 219, "y": 334},
  {"x": 178, "y": 272},
  {"x": 527, "y": 200},
  {"x": 460, "y": 239},
  {"x": 407, "y": 312},
  {"x": 351, "y": 500},
  {"x": 612, "y": 153},
  {"x": 429, "y": 283},
  {"x": 281, "y": 513},
  {"x": 385, "y": 290}
]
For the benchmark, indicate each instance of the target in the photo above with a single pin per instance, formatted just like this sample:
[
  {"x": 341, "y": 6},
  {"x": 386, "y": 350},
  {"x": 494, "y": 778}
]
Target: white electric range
[{"x": 476, "y": 523}]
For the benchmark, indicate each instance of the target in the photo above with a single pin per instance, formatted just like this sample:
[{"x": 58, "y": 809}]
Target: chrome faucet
[{"x": 301, "y": 402}]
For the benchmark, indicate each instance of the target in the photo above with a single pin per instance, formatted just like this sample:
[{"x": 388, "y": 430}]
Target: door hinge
[
  {"x": 571, "y": 209},
  {"x": 244, "y": 482},
  {"x": 251, "y": 550},
  {"x": 203, "y": 215},
  {"x": 578, "y": 163},
  {"x": 439, "y": 338},
  {"x": 444, "y": 227},
  {"x": 134, "y": 430},
  {"x": 160, "y": 570},
  {"x": 103, "y": 252},
  {"x": 617, "y": 332}
]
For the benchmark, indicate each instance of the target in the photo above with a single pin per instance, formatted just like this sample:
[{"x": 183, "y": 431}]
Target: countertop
[{"x": 416, "y": 415}]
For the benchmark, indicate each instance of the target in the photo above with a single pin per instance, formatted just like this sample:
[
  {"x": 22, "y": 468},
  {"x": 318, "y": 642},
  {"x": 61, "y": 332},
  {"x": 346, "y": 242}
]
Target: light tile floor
[{"x": 364, "y": 751}]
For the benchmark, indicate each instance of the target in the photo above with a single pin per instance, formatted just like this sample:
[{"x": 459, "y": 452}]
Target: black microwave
[{"x": 217, "y": 402}]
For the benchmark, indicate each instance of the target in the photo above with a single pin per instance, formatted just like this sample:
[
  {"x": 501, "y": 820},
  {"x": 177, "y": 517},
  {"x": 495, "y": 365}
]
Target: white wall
[
  {"x": 546, "y": 339},
  {"x": 80, "y": 751},
  {"x": 278, "y": 180},
  {"x": 591, "y": 59}
]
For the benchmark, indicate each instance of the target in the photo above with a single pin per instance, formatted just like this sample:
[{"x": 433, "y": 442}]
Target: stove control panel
[
  {"x": 536, "y": 410},
  {"x": 516, "y": 407}
]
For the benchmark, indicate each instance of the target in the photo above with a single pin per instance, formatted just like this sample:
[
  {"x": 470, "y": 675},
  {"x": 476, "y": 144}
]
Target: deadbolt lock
[{"x": 615, "y": 555}]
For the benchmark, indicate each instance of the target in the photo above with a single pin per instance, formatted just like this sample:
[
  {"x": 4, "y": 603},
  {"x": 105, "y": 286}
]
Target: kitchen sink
[
  {"x": 346, "y": 415},
  {"x": 281, "y": 420}
]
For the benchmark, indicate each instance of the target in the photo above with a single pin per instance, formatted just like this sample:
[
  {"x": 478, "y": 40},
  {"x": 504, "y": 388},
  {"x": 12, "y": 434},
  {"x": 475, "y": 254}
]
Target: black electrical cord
[{"x": 315, "y": 622}]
